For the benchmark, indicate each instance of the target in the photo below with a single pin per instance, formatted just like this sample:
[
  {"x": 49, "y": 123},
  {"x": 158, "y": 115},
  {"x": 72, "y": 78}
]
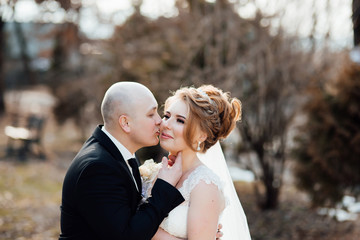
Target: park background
[{"x": 294, "y": 65}]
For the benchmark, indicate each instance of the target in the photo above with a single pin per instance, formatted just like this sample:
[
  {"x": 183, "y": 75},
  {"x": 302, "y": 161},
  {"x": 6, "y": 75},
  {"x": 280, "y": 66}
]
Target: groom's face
[{"x": 146, "y": 122}]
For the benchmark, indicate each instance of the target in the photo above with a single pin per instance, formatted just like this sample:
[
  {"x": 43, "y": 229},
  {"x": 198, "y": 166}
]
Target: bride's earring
[{"x": 198, "y": 148}]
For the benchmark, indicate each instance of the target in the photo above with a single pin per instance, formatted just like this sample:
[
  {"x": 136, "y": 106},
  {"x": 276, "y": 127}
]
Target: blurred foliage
[
  {"x": 328, "y": 143},
  {"x": 193, "y": 48},
  {"x": 46, "y": 8},
  {"x": 74, "y": 81}
]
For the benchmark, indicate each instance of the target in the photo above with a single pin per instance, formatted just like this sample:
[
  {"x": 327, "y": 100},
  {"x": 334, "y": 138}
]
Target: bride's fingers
[
  {"x": 171, "y": 174},
  {"x": 178, "y": 159},
  {"x": 172, "y": 157},
  {"x": 170, "y": 162},
  {"x": 167, "y": 162},
  {"x": 164, "y": 161}
]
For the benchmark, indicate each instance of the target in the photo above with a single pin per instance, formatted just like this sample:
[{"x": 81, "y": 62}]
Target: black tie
[{"x": 135, "y": 169}]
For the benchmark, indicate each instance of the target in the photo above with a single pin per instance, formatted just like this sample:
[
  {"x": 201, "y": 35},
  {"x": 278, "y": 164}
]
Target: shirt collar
[{"x": 123, "y": 150}]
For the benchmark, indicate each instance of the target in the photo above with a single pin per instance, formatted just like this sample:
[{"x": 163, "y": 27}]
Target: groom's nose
[{"x": 157, "y": 119}]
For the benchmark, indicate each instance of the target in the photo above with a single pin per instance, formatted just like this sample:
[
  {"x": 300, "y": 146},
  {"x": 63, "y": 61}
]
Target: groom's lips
[{"x": 165, "y": 136}]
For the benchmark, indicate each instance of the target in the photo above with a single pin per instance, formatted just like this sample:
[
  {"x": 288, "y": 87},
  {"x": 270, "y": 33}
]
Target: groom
[{"x": 101, "y": 190}]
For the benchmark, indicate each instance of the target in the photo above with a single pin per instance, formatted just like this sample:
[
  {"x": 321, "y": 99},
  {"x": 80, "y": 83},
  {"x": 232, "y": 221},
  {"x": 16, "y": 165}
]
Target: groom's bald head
[{"x": 123, "y": 98}]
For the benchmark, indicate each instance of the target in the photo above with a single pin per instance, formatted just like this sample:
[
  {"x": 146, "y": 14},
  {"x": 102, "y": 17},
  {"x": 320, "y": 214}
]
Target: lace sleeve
[{"x": 201, "y": 173}]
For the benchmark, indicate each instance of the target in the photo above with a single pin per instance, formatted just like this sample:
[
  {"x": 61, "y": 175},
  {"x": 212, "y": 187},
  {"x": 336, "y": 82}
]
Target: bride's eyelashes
[{"x": 179, "y": 120}]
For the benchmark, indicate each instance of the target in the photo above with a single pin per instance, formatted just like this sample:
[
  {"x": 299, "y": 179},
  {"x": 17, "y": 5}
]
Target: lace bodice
[{"x": 176, "y": 222}]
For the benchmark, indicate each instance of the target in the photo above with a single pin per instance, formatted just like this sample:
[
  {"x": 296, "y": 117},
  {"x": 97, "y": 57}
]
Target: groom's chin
[{"x": 154, "y": 142}]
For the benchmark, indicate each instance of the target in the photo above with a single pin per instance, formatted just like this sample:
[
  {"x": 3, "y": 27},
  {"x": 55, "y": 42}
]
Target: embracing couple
[{"x": 101, "y": 196}]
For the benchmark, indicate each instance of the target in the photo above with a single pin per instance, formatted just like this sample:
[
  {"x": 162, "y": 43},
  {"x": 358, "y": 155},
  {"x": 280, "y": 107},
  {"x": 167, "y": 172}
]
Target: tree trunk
[
  {"x": 2, "y": 77},
  {"x": 356, "y": 21},
  {"x": 24, "y": 55},
  {"x": 271, "y": 195}
]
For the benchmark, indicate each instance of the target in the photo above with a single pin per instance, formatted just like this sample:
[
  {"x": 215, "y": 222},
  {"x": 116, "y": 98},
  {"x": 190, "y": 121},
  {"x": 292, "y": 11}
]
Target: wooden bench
[{"x": 25, "y": 135}]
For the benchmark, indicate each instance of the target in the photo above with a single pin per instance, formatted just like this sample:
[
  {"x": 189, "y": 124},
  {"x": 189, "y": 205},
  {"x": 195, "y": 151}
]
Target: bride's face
[{"x": 173, "y": 125}]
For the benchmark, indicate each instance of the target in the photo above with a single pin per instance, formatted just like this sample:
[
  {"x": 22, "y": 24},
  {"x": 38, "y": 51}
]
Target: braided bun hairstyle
[{"x": 211, "y": 110}]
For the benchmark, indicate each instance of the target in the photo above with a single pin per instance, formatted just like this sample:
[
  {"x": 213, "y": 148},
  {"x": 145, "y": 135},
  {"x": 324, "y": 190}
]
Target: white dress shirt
[{"x": 124, "y": 152}]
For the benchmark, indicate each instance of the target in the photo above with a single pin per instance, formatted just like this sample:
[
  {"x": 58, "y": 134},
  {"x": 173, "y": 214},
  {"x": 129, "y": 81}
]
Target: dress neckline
[{"x": 188, "y": 177}]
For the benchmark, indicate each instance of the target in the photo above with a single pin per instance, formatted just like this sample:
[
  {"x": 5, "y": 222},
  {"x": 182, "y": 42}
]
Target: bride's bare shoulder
[{"x": 208, "y": 189}]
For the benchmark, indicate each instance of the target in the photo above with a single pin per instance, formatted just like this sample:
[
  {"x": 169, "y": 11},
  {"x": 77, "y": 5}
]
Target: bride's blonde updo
[{"x": 211, "y": 110}]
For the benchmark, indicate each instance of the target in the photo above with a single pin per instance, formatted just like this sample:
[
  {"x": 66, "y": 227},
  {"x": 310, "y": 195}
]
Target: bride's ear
[
  {"x": 202, "y": 137},
  {"x": 124, "y": 123}
]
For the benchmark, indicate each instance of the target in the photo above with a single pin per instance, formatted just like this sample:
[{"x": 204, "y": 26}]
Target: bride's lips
[{"x": 165, "y": 136}]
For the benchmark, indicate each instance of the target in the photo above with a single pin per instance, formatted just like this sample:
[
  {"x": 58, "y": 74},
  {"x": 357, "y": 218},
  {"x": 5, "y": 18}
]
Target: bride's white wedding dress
[
  {"x": 216, "y": 172},
  {"x": 176, "y": 222}
]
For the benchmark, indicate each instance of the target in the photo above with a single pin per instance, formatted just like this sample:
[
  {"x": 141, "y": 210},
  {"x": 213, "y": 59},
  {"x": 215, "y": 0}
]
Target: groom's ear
[{"x": 124, "y": 123}]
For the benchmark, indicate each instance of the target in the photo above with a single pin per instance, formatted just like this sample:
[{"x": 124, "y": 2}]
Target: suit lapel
[
  {"x": 137, "y": 174},
  {"x": 106, "y": 142}
]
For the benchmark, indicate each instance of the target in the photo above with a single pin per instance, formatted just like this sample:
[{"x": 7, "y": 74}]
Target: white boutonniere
[{"x": 148, "y": 172}]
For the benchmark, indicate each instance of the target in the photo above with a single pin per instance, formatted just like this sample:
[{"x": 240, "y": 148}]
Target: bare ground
[{"x": 30, "y": 195}]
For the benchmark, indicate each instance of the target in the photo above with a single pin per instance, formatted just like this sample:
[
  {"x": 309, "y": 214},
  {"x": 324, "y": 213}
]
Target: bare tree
[
  {"x": 271, "y": 85},
  {"x": 2, "y": 77},
  {"x": 3, "y": 10},
  {"x": 29, "y": 74}
]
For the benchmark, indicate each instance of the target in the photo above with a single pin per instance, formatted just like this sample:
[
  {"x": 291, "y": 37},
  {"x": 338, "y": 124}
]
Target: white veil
[{"x": 233, "y": 218}]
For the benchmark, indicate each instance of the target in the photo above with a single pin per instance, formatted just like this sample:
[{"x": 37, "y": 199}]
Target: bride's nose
[{"x": 164, "y": 124}]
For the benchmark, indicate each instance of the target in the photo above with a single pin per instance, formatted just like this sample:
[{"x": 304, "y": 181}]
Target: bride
[{"x": 194, "y": 122}]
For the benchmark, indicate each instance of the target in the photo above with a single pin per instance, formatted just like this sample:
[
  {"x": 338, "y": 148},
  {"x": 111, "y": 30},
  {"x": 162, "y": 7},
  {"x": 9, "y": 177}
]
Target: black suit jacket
[{"x": 100, "y": 199}]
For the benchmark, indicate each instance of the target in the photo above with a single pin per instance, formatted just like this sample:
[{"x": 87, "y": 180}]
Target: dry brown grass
[
  {"x": 30, "y": 195},
  {"x": 293, "y": 219}
]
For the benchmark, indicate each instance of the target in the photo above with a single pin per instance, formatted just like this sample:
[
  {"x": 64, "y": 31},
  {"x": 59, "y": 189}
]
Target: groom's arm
[{"x": 104, "y": 203}]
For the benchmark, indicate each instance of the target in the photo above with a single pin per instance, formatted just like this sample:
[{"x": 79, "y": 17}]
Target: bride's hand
[{"x": 171, "y": 174}]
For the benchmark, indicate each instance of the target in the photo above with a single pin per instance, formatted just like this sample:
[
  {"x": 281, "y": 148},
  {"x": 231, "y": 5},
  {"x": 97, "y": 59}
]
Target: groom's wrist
[{"x": 165, "y": 194}]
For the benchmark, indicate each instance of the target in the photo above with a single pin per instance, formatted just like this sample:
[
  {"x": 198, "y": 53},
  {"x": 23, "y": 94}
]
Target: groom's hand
[{"x": 171, "y": 174}]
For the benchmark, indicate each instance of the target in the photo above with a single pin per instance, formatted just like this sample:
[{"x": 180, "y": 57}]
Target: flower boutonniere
[{"x": 148, "y": 172}]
